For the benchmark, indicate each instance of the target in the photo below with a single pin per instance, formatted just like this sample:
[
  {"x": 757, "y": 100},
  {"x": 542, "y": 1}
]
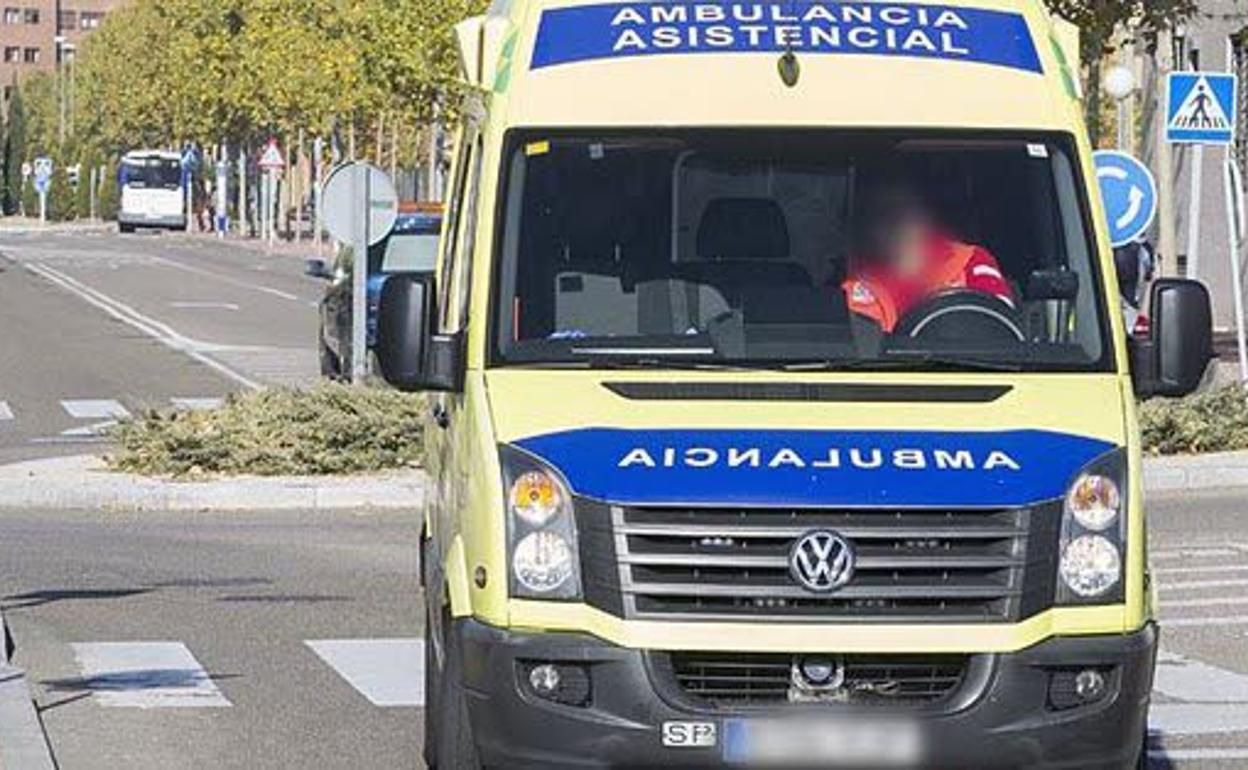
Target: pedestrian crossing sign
[{"x": 1201, "y": 108}]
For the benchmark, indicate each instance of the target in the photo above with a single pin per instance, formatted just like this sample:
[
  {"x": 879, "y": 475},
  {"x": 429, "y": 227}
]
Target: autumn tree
[{"x": 1100, "y": 20}]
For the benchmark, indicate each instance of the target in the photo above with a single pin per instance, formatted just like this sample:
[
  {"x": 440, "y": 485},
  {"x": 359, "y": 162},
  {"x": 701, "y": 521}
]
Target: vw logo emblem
[{"x": 821, "y": 561}]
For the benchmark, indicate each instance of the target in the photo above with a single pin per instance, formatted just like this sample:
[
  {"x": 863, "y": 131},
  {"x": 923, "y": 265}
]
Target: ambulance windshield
[{"x": 794, "y": 249}]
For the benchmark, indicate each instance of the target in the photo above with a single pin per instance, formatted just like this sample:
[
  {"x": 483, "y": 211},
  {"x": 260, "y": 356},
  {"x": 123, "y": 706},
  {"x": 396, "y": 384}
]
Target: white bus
[{"x": 152, "y": 194}]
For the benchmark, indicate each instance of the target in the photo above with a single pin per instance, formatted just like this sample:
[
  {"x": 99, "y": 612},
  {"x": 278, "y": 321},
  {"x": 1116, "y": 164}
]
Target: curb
[
  {"x": 82, "y": 482},
  {"x": 23, "y": 743},
  {"x": 1196, "y": 472}
]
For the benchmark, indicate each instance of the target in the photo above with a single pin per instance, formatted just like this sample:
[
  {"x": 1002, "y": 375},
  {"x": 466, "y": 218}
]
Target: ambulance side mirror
[
  {"x": 1172, "y": 360},
  {"x": 410, "y": 354}
]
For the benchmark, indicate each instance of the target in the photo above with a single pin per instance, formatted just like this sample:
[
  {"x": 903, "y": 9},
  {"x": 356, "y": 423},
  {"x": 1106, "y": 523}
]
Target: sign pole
[
  {"x": 1234, "y": 221},
  {"x": 359, "y": 280},
  {"x": 1197, "y": 174}
]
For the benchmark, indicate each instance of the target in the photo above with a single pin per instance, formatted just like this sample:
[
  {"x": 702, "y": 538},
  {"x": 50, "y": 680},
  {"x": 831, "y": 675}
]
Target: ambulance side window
[
  {"x": 453, "y": 228},
  {"x": 461, "y": 284}
]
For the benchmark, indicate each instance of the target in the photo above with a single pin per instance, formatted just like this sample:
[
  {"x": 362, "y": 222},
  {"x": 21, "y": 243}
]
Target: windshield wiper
[
  {"x": 608, "y": 362},
  {"x": 921, "y": 360},
  {"x": 945, "y": 361}
]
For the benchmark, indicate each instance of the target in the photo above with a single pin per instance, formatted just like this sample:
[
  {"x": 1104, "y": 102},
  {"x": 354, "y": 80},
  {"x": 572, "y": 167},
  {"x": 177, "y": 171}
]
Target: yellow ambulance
[{"x": 781, "y": 410}]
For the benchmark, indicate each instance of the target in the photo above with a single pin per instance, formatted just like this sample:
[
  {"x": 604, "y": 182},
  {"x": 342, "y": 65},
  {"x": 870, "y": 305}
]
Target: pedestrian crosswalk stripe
[
  {"x": 143, "y": 675},
  {"x": 5, "y": 412},
  {"x": 388, "y": 672},
  {"x": 94, "y": 409},
  {"x": 1191, "y": 584},
  {"x": 198, "y": 404}
]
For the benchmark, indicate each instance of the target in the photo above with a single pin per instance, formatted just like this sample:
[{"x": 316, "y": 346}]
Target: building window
[
  {"x": 31, "y": 15},
  {"x": 12, "y": 54},
  {"x": 91, "y": 20},
  {"x": 31, "y": 56},
  {"x": 67, "y": 20},
  {"x": 12, "y": 15}
]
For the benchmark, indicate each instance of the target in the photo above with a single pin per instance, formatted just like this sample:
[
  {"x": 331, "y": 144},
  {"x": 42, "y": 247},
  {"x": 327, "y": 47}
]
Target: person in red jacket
[{"x": 906, "y": 258}]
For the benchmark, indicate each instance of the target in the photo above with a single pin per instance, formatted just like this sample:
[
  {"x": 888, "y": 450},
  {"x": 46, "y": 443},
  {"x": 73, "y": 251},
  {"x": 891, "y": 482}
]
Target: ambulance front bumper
[{"x": 620, "y": 709}]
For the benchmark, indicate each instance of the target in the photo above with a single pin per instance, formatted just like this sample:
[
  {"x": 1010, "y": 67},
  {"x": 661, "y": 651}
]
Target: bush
[
  {"x": 1216, "y": 421},
  {"x": 327, "y": 429}
]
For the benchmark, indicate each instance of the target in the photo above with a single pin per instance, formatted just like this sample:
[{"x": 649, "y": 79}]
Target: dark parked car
[{"x": 411, "y": 247}]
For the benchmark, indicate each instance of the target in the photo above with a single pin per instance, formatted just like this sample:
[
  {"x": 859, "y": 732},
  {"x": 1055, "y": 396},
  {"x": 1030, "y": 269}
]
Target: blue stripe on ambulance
[
  {"x": 614, "y": 30},
  {"x": 795, "y": 468}
]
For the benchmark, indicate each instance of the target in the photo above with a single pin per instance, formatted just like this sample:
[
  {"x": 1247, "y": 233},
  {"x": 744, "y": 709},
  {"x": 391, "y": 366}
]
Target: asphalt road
[
  {"x": 226, "y": 622},
  {"x": 291, "y": 640},
  {"x": 93, "y": 325}
]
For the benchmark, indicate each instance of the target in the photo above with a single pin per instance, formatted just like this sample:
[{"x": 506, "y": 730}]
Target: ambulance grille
[
  {"x": 959, "y": 566},
  {"x": 733, "y": 680}
]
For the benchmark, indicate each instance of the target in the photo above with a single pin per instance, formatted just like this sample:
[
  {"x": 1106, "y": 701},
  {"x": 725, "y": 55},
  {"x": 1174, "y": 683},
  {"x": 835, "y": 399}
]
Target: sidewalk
[
  {"x": 22, "y": 225},
  {"x": 83, "y": 482},
  {"x": 1196, "y": 472}
]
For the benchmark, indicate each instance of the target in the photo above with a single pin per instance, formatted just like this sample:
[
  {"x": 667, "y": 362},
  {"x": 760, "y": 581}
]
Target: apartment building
[{"x": 35, "y": 34}]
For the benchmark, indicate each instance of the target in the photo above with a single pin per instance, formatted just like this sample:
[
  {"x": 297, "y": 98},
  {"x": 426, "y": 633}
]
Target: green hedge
[
  {"x": 327, "y": 429},
  {"x": 1216, "y": 421}
]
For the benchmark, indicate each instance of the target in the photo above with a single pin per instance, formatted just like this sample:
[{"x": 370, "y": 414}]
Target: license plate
[{"x": 858, "y": 742}]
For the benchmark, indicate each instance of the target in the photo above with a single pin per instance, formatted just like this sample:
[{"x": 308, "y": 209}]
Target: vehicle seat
[{"x": 743, "y": 242}]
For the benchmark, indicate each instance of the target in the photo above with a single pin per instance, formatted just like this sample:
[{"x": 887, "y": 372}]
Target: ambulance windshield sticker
[{"x": 616, "y": 30}]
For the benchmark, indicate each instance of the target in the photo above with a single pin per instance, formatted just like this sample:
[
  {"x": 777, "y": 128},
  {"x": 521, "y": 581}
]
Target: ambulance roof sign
[
  {"x": 272, "y": 156},
  {"x": 1201, "y": 108}
]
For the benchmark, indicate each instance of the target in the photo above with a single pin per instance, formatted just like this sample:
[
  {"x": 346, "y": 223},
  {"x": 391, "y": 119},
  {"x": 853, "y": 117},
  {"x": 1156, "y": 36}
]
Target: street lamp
[{"x": 1119, "y": 83}]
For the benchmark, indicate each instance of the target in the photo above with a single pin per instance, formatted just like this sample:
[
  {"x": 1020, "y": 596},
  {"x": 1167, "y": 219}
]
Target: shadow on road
[
  {"x": 141, "y": 679},
  {"x": 50, "y": 595}
]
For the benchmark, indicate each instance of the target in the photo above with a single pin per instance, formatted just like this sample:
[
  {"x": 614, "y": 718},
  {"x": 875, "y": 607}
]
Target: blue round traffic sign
[{"x": 1129, "y": 193}]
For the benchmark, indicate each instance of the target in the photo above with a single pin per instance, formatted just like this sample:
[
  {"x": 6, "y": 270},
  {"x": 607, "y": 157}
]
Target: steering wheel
[{"x": 958, "y": 315}]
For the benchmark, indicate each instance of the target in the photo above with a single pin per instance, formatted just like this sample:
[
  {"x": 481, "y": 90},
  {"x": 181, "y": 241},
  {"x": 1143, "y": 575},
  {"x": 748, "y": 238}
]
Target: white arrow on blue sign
[
  {"x": 1129, "y": 193},
  {"x": 1200, "y": 108},
  {"x": 43, "y": 174}
]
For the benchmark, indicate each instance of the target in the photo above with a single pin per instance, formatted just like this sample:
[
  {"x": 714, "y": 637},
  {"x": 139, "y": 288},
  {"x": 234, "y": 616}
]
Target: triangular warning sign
[
  {"x": 272, "y": 157},
  {"x": 1200, "y": 110}
]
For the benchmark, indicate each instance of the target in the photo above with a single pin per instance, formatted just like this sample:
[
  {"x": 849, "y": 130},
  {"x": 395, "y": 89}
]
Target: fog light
[
  {"x": 563, "y": 683},
  {"x": 1073, "y": 688},
  {"x": 1089, "y": 685},
  {"x": 545, "y": 680}
]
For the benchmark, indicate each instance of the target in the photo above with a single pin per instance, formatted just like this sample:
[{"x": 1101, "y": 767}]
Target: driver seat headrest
[{"x": 743, "y": 229}]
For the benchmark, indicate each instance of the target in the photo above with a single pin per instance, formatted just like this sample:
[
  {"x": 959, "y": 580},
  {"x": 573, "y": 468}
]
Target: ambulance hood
[{"x": 766, "y": 439}]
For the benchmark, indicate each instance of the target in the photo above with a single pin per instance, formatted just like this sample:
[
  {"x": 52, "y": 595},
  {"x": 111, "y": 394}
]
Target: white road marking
[
  {"x": 149, "y": 326},
  {"x": 1195, "y": 681},
  {"x": 1198, "y": 754},
  {"x": 1188, "y": 585},
  {"x": 1195, "y": 553},
  {"x": 145, "y": 675},
  {"x": 204, "y": 305},
  {"x": 94, "y": 408},
  {"x": 1211, "y": 699},
  {"x": 1219, "y": 601},
  {"x": 5, "y": 412},
  {"x": 389, "y": 672},
  {"x": 95, "y": 430},
  {"x": 1196, "y": 570},
  {"x": 226, "y": 278},
  {"x": 206, "y": 404},
  {"x": 1214, "y": 622}
]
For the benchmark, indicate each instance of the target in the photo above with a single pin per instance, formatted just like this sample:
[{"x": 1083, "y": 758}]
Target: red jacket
[{"x": 876, "y": 292}]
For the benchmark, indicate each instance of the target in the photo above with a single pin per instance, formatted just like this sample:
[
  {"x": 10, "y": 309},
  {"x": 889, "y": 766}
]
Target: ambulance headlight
[
  {"x": 542, "y": 555},
  {"x": 1094, "y": 501},
  {"x": 1091, "y": 565},
  {"x": 542, "y": 562},
  {"x": 1094, "y": 533}
]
